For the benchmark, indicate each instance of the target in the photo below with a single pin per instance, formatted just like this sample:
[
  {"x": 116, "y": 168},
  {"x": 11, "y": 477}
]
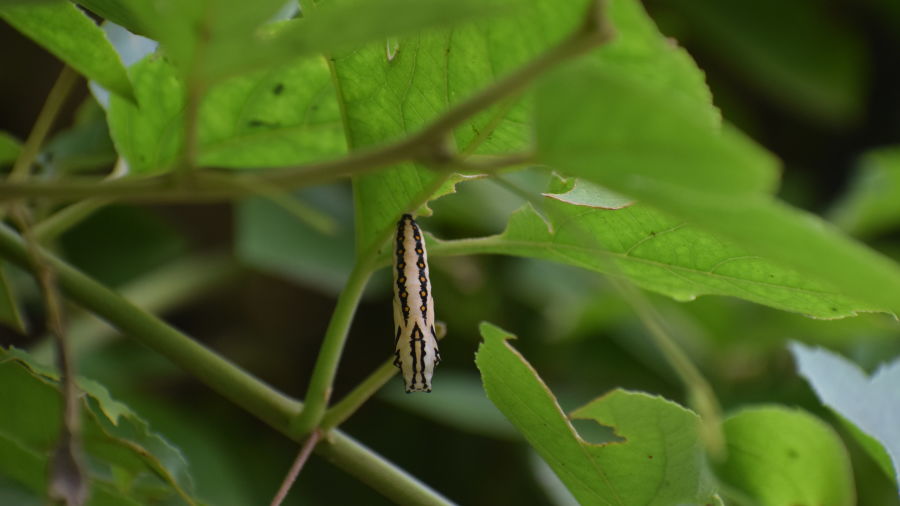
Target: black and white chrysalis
[{"x": 415, "y": 342}]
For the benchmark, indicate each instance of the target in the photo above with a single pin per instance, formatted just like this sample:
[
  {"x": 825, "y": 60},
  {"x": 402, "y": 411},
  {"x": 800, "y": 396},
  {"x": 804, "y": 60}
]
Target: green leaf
[
  {"x": 4, "y": 3},
  {"x": 10, "y": 315},
  {"x": 660, "y": 462},
  {"x": 73, "y": 37},
  {"x": 779, "y": 456},
  {"x": 9, "y": 149},
  {"x": 816, "y": 67},
  {"x": 201, "y": 35},
  {"x": 126, "y": 13},
  {"x": 279, "y": 118},
  {"x": 658, "y": 253},
  {"x": 430, "y": 73},
  {"x": 870, "y": 403},
  {"x": 649, "y": 145},
  {"x": 359, "y": 22},
  {"x": 128, "y": 463},
  {"x": 587, "y": 194},
  {"x": 872, "y": 205}
]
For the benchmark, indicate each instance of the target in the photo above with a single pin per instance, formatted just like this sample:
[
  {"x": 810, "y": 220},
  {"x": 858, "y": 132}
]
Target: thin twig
[
  {"x": 45, "y": 119},
  {"x": 67, "y": 477},
  {"x": 296, "y": 467},
  {"x": 68, "y": 481}
]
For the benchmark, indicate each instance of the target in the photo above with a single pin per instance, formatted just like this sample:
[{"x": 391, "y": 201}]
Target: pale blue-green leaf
[
  {"x": 872, "y": 205},
  {"x": 661, "y": 461},
  {"x": 587, "y": 194},
  {"x": 73, "y": 37},
  {"x": 872, "y": 403}
]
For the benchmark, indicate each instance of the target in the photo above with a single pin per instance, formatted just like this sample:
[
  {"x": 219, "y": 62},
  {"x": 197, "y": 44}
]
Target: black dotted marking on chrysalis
[{"x": 401, "y": 264}]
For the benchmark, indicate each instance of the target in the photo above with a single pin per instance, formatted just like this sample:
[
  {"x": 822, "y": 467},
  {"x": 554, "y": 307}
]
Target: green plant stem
[
  {"x": 391, "y": 481},
  {"x": 51, "y": 227},
  {"x": 227, "y": 379},
  {"x": 159, "y": 291},
  {"x": 55, "y": 100},
  {"x": 319, "y": 391},
  {"x": 342, "y": 410}
]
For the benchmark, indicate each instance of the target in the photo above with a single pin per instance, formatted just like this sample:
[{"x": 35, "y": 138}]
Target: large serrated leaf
[
  {"x": 652, "y": 146},
  {"x": 661, "y": 461},
  {"x": 656, "y": 252},
  {"x": 282, "y": 117},
  {"x": 430, "y": 73},
  {"x": 872, "y": 204},
  {"x": 73, "y": 37}
]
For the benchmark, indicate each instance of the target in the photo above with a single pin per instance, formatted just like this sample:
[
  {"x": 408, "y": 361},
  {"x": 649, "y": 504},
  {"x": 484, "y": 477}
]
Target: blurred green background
[{"x": 815, "y": 82}]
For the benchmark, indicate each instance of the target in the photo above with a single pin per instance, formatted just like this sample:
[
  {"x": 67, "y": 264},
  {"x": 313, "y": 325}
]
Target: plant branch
[
  {"x": 319, "y": 391},
  {"x": 427, "y": 145},
  {"x": 227, "y": 379},
  {"x": 296, "y": 467}
]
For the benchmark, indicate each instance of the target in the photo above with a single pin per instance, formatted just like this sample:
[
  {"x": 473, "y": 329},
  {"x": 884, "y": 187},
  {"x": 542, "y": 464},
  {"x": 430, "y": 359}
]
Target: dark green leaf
[
  {"x": 872, "y": 205},
  {"x": 116, "y": 440},
  {"x": 68, "y": 33},
  {"x": 780, "y": 456},
  {"x": 9, "y": 149},
  {"x": 272, "y": 239},
  {"x": 797, "y": 52},
  {"x": 660, "y": 462},
  {"x": 457, "y": 401}
]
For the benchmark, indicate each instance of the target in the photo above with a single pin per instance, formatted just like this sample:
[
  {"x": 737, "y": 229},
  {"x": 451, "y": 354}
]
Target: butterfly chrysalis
[{"x": 415, "y": 341}]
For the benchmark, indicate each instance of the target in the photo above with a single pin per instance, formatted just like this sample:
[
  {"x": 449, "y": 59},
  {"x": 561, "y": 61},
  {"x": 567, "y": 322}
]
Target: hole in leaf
[{"x": 594, "y": 433}]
